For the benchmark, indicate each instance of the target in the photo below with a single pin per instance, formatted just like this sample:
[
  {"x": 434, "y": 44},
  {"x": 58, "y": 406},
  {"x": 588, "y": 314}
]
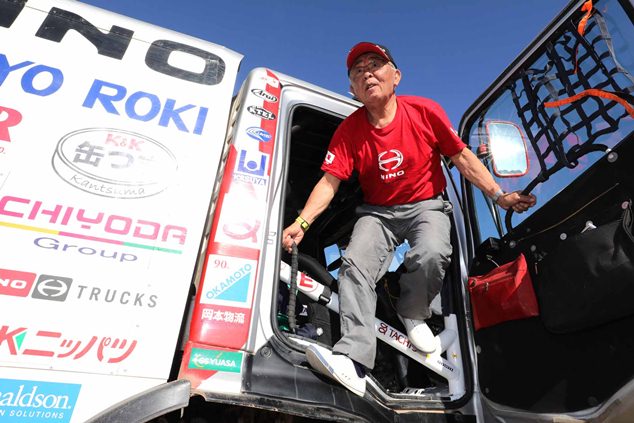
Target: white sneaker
[
  {"x": 419, "y": 335},
  {"x": 336, "y": 366}
]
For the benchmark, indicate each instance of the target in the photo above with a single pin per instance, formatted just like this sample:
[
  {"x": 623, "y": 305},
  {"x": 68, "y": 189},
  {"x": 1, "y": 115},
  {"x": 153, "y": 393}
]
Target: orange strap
[
  {"x": 587, "y": 7},
  {"x": 581, "y": 28},
  {"x": 593, "y": 92}
]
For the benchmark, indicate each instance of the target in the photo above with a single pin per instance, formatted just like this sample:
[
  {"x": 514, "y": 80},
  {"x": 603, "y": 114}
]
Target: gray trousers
[{"x": 377, "y": 233}]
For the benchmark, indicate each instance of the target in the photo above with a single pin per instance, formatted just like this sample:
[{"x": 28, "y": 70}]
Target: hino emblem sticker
[{"x": 54, "y": 288}]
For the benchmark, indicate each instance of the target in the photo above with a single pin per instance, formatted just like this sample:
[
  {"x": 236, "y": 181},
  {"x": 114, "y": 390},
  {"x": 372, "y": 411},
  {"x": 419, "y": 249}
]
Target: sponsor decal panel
[
  {"x": 54, "y": 288},
  {"x": 114, "y": 163},
  {"x": 16, "y": 283},
  {"x": 242, "y": 230},
  {"x": 307, "y": 283},
  {"x": 112, "y": 98},
  {"x": 228, "y": 316},
  {"x": 239, "y": 221},
  {"x": 88, "y": 226},
  {"x": 45, "y": 343},
  {"x": 223, "y": 361},
  {"x": 392, "y": 333},
  {"x": 273, "y": 88},
  {"x": 221, "y": 325},
  {"x": 36, "y": 401},
  {"x": 228, "y": 281},
  {"x": 8, "y": 119},
  {"x": 120, "y": 297},
  {"x": 215, "y": 370},
  {"x": 258, "y": 134},
  {"x": 271, "y": 80},
  {"x": 61, "y": 288},
  {"x": 85, "y": 249},
  {"x": 252, "y": 167},
  {"x": 116, "y": 169},
  {"x": 222, "y": 316},
  {"x": 264, "y": 95},
  {"x": 167, "y": 112},
  {"x": 261, "y": 112}
]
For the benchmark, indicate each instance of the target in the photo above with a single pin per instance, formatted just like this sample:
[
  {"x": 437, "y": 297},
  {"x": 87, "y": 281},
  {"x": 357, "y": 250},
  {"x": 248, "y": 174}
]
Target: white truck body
[{"x": 107, "y": 166}]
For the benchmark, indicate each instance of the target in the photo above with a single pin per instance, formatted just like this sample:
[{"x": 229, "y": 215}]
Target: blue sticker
[
  {"x": 234, "y": 287},
  {"x": 31, "y": 401},
  {"x": 258, "y": 134},
  {"x": 255, "y": 167}
]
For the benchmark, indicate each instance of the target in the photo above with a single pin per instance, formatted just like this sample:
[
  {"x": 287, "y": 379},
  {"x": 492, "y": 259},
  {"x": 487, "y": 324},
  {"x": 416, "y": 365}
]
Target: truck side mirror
[{"x": 507, "y": 149}]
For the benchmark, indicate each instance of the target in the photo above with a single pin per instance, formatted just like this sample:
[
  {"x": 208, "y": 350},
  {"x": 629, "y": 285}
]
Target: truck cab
[
  {"x": 564, "y": 108},
  {"x": 221, "y": 315}
]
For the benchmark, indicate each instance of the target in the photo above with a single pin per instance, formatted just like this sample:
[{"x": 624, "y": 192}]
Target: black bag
[{"x": 588, "y": 279}]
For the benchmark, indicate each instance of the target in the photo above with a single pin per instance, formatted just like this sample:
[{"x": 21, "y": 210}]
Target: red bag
[{"x": 505, "y": 293}]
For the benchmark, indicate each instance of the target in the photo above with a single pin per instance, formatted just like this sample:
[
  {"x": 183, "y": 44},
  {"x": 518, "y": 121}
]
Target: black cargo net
[{"x": 578, "y": 90}]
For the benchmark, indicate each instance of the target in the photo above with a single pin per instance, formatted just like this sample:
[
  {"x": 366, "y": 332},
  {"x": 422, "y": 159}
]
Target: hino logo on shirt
[
  {"x": 330, "y": 157},
  {"x": 390, "y": 161}
]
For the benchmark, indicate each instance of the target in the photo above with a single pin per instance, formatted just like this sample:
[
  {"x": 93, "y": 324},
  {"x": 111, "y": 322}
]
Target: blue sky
[{"x": 449, "y": 50}]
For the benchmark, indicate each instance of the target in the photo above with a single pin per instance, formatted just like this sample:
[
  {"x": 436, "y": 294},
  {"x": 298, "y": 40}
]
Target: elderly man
[{"x": 395, "y": 143}]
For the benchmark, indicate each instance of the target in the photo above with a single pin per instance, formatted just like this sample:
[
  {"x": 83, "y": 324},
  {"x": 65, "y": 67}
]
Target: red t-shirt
[{"x": 398, "y": 164}]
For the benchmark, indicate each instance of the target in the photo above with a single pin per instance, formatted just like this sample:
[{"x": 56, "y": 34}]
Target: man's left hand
[{"x": 520, "y": 203}]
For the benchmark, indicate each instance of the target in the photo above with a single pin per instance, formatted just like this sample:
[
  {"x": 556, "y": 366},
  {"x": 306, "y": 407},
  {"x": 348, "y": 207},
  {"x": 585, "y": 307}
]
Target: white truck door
[{"x": 111, "y": 134}]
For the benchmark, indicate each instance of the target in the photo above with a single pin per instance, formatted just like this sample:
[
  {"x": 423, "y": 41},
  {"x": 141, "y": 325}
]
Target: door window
[{"x": 573, "y": 104}]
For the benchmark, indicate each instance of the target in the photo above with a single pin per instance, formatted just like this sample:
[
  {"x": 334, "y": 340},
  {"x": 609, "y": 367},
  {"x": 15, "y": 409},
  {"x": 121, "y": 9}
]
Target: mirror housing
[{"x": 507, "y": 149}]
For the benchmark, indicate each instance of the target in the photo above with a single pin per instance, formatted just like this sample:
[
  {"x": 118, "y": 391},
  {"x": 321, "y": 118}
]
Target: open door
[{"x": 559, "y": 123}]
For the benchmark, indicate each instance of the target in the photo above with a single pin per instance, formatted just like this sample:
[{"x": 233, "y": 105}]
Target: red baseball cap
[{"x": 367, "y": 47}]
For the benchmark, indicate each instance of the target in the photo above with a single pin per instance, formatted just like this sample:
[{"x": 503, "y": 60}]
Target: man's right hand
[{"x": 293, "y": 233}]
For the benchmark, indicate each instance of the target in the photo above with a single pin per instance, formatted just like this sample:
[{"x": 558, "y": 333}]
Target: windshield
[{"x": 572, "y": 105}]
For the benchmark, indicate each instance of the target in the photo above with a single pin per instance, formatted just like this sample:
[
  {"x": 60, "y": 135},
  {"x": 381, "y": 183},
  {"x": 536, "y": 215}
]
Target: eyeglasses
[{"x": 371, "y": 65}]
